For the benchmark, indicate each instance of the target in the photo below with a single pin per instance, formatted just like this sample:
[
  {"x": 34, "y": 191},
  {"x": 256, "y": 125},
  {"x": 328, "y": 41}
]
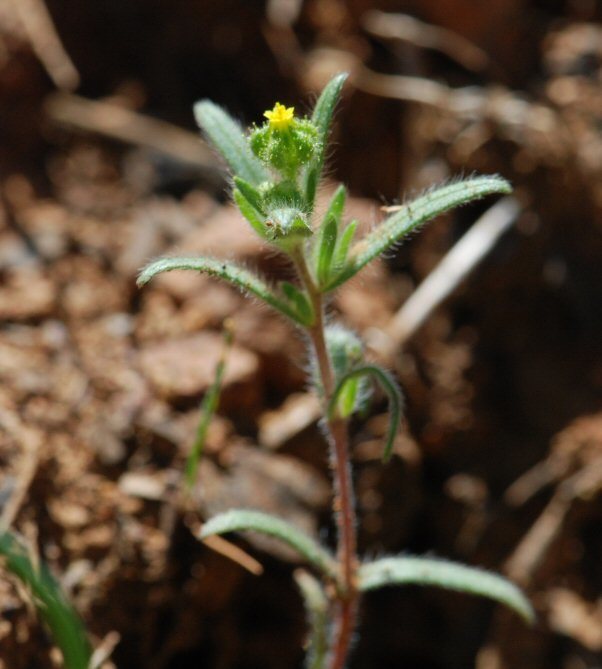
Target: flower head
[{"x": 280, "y": 117}]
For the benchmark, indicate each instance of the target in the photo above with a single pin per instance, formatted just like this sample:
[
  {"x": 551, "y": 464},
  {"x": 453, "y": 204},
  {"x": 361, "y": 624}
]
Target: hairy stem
[{"x": 343, "y": 504}]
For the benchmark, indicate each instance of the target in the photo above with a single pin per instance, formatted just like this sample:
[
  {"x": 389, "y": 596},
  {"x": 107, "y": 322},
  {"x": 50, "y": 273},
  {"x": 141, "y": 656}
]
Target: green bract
[{"x": 276, "y": 171}]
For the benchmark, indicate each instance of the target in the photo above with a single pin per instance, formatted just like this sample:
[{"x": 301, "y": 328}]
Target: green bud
[{"x": 284, "y": 142}]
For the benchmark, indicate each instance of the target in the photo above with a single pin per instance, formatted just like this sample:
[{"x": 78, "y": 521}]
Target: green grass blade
[
  {"x": 208, "y": 409},
  {"x": 413, "y": 215},
  {"x": 237, "y": 276},
  {"x": 444, "y": 574},
  {"x": 238, "y": 520},
  {"x": 387, "y": 383},
  {"x": 229, "y": 139},
  {"x": 59, "y": 615}
]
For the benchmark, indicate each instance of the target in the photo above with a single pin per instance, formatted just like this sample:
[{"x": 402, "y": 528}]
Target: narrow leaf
[
  {"x": 250, "y": 193},
  {"x": 326, "y": 238},
  {"x": 322, "y": 117},
  {"x": 311, "y": 178},
  {"x": 342, "y": 248},
  {"x": 387, "y": 383},
  {"x": 325, "y": 245},
  {"x": 336, "y": 204},
  {"x": 256, "y": 219},
  {"x": 316, "y": 607},
  {"x": 324, "y": 109},
  {"x": 414, "y": 214},
  {"x": 59, "y": 615},
  {"x": 237, "y": 276},
  {"x": 229, "y": 139},
  {"x": 238, "y": 520},
  {"x": 208, "y": 409},
  {"x": 444, "y": 574},
  {"x": 300, "y": 301}
]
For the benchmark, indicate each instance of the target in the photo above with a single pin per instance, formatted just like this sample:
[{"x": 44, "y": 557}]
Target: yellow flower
[{"x": 280, "y": 117}]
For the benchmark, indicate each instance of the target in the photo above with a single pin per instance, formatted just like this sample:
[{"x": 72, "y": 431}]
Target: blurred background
[{"x": 500, "y": 460}]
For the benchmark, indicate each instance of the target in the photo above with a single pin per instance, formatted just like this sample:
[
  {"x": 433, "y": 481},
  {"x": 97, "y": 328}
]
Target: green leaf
[
  {"x": 208, "y": 409},
  {"x": 324, "y": 109},
  {"x": 316, "y": 607},
  {"x": 336, "y": 204},
  {"x": 250, "y": 193},
  {"x": 237, "y": 276},
  {"x": 412, "y": 215},
  {"x": 254, "y": 217},
  {"x": 59, "y": 615},
  {"x": 444, "y": 574},
  {"x": 300, "y": 301},
  {"x": 342, "y": 248},
  {"x": 387, "y": 383},
  {"x": 311, "y": 186},
  {"x": 229, "y": 139},
  {"x": 325, "y": 248},
  {"x": 238, "y": 520},
  {"x": 321, "y": 118}
]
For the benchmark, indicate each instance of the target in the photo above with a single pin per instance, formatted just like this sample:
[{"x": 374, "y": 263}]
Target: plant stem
[{"x": 343, "y": 503}]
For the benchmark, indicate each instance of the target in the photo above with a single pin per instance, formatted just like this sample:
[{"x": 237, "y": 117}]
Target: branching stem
[{"x": 343, "y": 503}]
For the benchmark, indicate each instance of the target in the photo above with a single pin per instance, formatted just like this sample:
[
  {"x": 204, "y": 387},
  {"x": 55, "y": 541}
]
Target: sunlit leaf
[
  {"x": 413, "y": 215},
  {"x": 229, "y": 139}
]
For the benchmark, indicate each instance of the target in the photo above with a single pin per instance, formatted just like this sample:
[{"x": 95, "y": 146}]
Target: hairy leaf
[
  {"x": 63, "y": 621},
  {"x": 250, "y": 193},
  {"x": 412, "y": 215},
  {"x": 316, "y": 606},
  {"x": 387, "y": 383},
  {"x": 342, "y": 248},
  {"x": 252, "y": 215},
  {"x": 325, "y": 249},
  {"x": 321, "y": 118},
  {"x": 229, "y": 139},
  {"x": 300, "y": 300},
  {"x": 238, "y": 520},
  {"x": 324, "y": 109},
  {"x": 444, "y": 574},
  {"x": 238, "y": 276}
]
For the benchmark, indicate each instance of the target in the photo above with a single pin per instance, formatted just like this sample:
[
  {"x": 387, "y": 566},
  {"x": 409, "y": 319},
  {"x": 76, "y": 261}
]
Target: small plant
[{"x": 276, "y": 170}]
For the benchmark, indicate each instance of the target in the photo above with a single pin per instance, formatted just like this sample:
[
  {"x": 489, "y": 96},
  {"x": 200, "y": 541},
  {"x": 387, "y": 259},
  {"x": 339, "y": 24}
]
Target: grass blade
[
  {"x": 59, "y": 615},
  {"x": 208, "y": 408}
]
